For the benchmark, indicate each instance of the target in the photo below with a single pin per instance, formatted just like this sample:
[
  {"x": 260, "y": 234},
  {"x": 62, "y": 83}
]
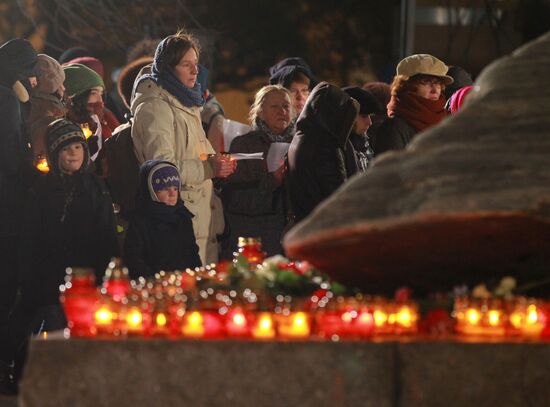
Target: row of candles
[
  {"x": 496, "y": 317},
  {"x": 173, "y": 307}
]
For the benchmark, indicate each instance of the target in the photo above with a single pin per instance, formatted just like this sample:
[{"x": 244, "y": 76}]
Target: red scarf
[{"x": 417, "y": 111}]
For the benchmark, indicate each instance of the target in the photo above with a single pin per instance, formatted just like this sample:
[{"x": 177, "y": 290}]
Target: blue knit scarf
[{"x": 168, "y": 80}]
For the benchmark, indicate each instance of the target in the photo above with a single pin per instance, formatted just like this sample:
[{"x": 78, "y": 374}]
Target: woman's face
[
  {"x": 429, "y": 87},
  {"x": 187, "y": 70},
  {"x": 275, "y": 111}
]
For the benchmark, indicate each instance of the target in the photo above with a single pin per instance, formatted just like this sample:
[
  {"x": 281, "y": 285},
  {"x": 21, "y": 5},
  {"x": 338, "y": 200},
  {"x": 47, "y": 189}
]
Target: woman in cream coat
[{"x": 167, "y": 126}]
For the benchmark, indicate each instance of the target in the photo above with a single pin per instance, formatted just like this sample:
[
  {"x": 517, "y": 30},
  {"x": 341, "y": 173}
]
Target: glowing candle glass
[
  {"x": 79, "y": 298},
  {"x": 294, "y": 325},
  {"x": 42, "y": 164},
  {"x": 237, "y": 322},
  {"x": 264, "y": 326}
]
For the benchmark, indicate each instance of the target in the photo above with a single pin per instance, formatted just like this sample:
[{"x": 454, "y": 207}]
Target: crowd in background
[{"x": 162, "y": 190}]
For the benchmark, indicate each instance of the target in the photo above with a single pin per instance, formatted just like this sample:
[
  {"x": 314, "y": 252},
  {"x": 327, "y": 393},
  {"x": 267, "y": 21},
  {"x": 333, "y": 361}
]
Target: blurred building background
[{"x": 348, "y": 42}]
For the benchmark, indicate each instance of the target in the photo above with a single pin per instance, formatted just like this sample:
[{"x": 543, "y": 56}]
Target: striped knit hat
[{"x": 61, "y": 133}]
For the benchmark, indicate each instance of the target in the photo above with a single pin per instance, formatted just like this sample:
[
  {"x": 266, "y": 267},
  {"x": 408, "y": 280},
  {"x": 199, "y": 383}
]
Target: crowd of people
[{"x": 184, "y": 199}]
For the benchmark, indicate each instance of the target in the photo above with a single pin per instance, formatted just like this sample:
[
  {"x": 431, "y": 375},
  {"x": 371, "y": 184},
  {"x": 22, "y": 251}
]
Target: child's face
[
  {"x": 168, "y": 196},
  {"x": 71, "y": 158}
]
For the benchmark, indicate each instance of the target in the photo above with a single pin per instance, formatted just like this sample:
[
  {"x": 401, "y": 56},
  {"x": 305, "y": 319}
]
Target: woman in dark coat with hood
[
  {"x": 317, "y": 153},
  {"x": 160, "y": 234}
]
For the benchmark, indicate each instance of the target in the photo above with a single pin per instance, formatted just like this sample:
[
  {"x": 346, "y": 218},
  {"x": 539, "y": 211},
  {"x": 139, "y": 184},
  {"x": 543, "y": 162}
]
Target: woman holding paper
[
  {"x": 254, "y": 197},
  {"x": 167, "y": 126}
]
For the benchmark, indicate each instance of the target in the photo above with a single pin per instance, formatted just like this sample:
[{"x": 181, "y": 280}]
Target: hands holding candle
[{"x": 222, "y": 164}]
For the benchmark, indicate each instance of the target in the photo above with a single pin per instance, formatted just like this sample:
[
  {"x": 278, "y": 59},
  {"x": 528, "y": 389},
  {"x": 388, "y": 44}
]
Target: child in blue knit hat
[{"x": 160, "y": 233}]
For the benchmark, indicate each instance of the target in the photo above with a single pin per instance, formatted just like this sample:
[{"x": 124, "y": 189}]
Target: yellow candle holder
[
  {"x": 294, "y": 325},
  {"x": 480, "y": 317},
  {"x": 264, "y": 326},
  {"x": 527, "y": 317}
]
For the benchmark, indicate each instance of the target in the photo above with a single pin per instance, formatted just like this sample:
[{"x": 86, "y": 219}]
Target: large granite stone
[
  {"x": 381, "y": 373},
  {"x": 467, "y": 200}
]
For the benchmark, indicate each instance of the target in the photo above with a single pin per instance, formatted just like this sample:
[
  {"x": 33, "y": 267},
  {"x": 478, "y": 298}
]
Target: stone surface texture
[
  {"x": 467, "y": 198},
  {"x": 382, "y": 373}
]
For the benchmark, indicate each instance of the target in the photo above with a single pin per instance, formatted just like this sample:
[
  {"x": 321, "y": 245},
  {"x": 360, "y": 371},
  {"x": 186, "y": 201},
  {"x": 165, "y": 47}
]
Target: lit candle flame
[
  {"x": 473, "y": 316},
  {"x": 161, "y": 319},
  {"x": 404, "y": 317},
  {"x": 380, "y": 318},
  {"x": 42, "y": 165},
  {"x": 86, "y": 130},
  {"x": 239, "y": 319},
  {"x": 103, "y": 316},
  {"x": 134, "y": 318},
  {"x": 194, "y": 325},
  {"x": 264, "y": 327},
  {"x": 494, "y": 317},
  {"x": 532, "y": 315},
  {"x": 515, "y": 319}
]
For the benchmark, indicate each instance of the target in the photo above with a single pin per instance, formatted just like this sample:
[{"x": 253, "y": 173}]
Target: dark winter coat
[
  {"x": 15, "y": 167},
  {"x": 69, "y": 221},
  {"x": 393, "y": 134},
  {"x": 359, "y": 155},
  {"x": 317, "y": 165},
  {"x": 159, "y": 237},
  {"x": 254, "y": 201}
]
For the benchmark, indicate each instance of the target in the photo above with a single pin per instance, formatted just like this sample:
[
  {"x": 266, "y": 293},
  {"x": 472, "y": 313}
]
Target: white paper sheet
[
  {"x": 276, "y": 156},
  {"x": 247, "y": 156},
  {"x": 232, "y": 129}
]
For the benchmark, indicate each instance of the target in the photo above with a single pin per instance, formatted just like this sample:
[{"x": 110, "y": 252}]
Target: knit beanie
[
  {"x": 72, "y": 53},
  {"x": 51, "y": 76},
  {"x": 367, "y": 102},
  {"x": 17, "y": 61},
  {"x": 283, "y": 72},
  {"x": 161, "y": 176},
  {"x": 93, "y": 63},
  {"x": 61, "y": 133},
  {"x": 79, "y": 79},
  {"x": 381, "y": 91}
]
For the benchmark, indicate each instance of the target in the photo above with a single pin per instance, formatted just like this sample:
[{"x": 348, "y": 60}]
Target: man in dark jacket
[
  {"x": 18, "y": 64},
  {"x": 317, "y": 165}
]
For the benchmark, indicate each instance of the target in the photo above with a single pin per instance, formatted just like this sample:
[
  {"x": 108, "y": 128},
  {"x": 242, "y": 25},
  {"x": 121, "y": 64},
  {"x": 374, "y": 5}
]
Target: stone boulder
[{"x": 466, "y": 201}]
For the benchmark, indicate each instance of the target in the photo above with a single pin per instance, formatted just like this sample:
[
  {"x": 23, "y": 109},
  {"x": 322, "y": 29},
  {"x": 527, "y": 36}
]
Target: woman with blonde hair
[
  {"x": 254, "y": 197},
  {"x": 417, "y": 101}
]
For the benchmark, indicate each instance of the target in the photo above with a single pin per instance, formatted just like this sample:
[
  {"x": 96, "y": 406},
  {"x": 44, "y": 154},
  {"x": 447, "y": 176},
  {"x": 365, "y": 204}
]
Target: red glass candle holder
[
  {"x": 238, "y": 322},
  {"x": 116, "y": 282},
  {"x": 251, "y": 249},
  {"x": 79, "y": 297}
]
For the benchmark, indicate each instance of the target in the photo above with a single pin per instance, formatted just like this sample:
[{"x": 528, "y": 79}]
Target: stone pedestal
[{"x": 384, "y": 373}]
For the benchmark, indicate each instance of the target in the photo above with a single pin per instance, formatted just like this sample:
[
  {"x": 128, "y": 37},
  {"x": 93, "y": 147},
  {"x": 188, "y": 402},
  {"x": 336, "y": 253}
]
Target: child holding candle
[
  {"x": 160, "y": 234},
  {"x": 70, "y": 219},
  {"x": 69, "y": 222}
]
